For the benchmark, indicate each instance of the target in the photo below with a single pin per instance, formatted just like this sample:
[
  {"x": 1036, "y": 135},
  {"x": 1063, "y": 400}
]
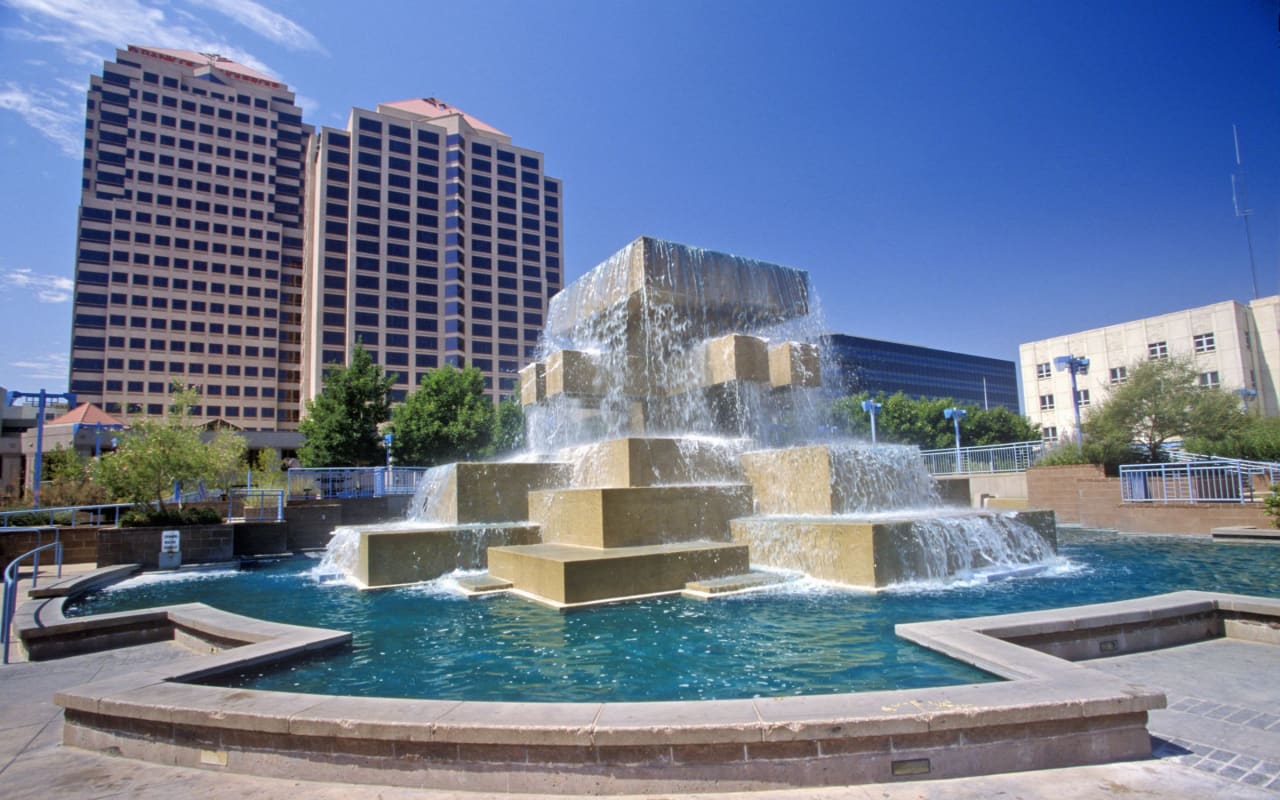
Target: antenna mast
[{"x": 1242, "y": 209}]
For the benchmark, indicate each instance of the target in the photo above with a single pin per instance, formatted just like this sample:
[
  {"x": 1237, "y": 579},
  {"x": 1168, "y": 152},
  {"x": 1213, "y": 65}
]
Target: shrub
[{"x": 143, "y": 516}]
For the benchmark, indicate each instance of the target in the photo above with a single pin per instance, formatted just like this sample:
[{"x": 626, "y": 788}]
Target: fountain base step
[
  {"x": 565, "y": 576},
  {"x": 396, "y": 556},
  {"x": 732, "y": 584},
  {"x": 473, "y": 585}
]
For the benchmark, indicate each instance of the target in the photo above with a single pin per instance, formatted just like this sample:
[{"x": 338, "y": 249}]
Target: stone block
[
  {"x": 636, "y": 461},
  {"x": 533, "y": 383},
  {"x": 830, "y": 550},
  {"x": 796, "y": 480},
  {"x": 567, "y": 575},
  {"x": 736, "y": 357},
  {"x": 794, "y": 364},
  {"x": 489, "y": 492},
  {"x": 628, "y": 517},
  {"x": 573, "y": 373},
  {"x": 396, "y": 557}
]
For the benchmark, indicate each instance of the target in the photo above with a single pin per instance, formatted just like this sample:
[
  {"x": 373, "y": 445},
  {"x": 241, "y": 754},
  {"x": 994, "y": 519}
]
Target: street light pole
[
  {"x": 43, "y": 397},
  {"x": 955, "y": 415},
  {"x": 872, "y": 408},
  {"x": 1246, "y": 395},
  {"x": 1074, "y": 365}
]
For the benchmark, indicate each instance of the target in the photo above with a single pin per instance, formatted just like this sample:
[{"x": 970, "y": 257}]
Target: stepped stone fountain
[{"x": 672, "y": 417}]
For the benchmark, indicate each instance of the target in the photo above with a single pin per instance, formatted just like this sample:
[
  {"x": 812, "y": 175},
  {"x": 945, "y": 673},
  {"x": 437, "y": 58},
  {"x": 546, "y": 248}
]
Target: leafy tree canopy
[
  {"x": 447, "y": 418},
  {"x": 154, "y": 454},
  {"x": 340, "y": 428},
  {"x": 508, "y": 428},
  {"x": 1161, "y": 401},
  {"x": 904, "y": 420}
]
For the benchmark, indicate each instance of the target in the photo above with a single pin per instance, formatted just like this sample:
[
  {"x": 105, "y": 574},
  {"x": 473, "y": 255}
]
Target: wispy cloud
[
  {"x": 50, "y": 114},
  {"x": 270, "y": 24},
  {"x": 46, "y": 288},
  {"x": 86, "y": 32},
  {"x": 43, "y": 367}
]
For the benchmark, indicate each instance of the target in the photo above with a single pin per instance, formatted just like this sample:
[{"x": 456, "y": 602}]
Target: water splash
[
  {"x": 986, "y": 546},
  {"x": 430, "y": 497},
  {"x": 875, "y": 478}
]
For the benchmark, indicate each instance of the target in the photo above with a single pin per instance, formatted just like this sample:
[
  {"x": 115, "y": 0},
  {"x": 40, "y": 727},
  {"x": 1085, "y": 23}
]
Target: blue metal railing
[
  {"x": 1208, "y": 481},
  {"x": 77, "y": 515},
  {"x": 256, "y": 505},
  {"x": 10, "y": 604},
  {"x": 330, "y": 482},
  {"x": 1015, "y": 457}
]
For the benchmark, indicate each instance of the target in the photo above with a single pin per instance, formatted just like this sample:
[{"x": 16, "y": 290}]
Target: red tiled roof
[
  {"x": 195, "y": 60},
  {"x": 431, "y": 108},
  {"x": 85, "y": 414}
]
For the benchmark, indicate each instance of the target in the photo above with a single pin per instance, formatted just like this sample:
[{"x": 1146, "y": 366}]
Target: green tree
[
  {"x": 508, "y": 428},
  {"x": 154, "y": 454},
  {"x": 1258, "y": 440},
  {"x": 904, "y": 420},
  {"x": 65, "y": 475},
  {"x": 447, "y": 418},
  {"x": 1161, "y": 401},
  {"x": 340, "y": 428}
]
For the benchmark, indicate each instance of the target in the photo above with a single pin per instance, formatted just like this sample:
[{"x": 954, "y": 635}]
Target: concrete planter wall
[{"x": 200, "y": 544}]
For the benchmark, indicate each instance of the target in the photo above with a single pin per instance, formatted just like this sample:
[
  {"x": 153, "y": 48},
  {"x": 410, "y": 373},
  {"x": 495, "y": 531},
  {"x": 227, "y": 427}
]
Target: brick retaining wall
[{"x": 201, "y": 544}]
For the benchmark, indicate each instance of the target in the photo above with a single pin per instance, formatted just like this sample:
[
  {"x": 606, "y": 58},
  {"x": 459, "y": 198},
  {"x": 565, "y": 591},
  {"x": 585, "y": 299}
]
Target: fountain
[{"x": 673, "y": 416}]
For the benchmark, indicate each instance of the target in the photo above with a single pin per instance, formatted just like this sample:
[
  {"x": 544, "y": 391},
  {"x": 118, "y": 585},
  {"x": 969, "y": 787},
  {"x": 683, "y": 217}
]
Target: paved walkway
[{"x": 1219, "y": 739}]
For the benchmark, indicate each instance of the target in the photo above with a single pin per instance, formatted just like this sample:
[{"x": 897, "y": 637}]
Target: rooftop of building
[
  {"x": 86, "y": 414},
  {"x": 202, "y": 63},
  {"x": 432, "y": 108}
]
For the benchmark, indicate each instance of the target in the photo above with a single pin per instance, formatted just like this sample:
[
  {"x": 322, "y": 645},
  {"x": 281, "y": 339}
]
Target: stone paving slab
[{"x": 1223, "y": 714}]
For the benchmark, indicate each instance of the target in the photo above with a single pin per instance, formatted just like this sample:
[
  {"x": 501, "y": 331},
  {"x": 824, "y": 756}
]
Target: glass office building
[{"x": 873, "y": 365}]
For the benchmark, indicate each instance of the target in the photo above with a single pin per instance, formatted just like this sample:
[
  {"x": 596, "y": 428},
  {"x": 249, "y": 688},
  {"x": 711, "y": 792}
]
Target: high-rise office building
[
  {"x": 189, "y": 241},
  {"x": 431, "y": 239}
]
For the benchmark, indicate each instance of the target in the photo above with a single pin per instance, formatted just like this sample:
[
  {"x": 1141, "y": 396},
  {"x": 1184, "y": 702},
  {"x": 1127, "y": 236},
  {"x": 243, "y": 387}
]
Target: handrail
[
  {"x": 266, "y": 504},
  {"x": 329, "y": 482},
  {"x": 10, "y": 604},
  {"x": 1012, "y": 457},
  {"x": 1208, "y": 481},
  {"x": 100, "y": 510}
]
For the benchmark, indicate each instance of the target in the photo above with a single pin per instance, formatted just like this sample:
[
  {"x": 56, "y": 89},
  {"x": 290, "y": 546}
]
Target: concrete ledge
[
  {"x": 1051, "y": 713},
  {"x": 87, "y": 582}
]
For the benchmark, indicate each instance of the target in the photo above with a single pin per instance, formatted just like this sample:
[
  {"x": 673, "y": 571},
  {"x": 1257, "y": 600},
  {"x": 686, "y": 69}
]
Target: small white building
[{"x": 1233, "y": 345}]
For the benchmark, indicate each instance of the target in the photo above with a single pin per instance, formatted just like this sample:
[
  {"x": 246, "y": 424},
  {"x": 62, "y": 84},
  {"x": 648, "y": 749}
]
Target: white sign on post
[{"x": 169, "y": 541}]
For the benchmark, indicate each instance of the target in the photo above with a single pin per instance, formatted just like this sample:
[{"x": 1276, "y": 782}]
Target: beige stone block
[
  {"x": 567, "y": 575},
  {"x": 837, "y": 551},
  {"x": 396, "y": 557},
  {"x": 492, "y": 492},
  {"x": 796, "y": 480},
  {"x": 628, "y": 517},
  {"x": 644, "y": 461},
  {"x": 794, "y": 364},
  {"x": 533, "y": 383},
  {"x": 737, "y": 358},
  {"x": 573, "y": 373}
]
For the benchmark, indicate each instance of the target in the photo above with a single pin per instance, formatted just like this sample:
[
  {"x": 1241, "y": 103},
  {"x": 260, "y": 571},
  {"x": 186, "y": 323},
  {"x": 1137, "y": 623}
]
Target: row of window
[
  {"x": 1201, "y": 343},
  {"x": 1119, "y": 375}
]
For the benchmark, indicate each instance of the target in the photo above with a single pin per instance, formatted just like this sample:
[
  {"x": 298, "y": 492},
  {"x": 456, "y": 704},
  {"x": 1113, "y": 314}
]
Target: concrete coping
[
  {"x": 86, "y": 582},
  {"x": 1044, "y": 693}
]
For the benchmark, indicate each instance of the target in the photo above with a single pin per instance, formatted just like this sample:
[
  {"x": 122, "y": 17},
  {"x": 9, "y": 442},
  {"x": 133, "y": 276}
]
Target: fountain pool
[{"x": 800, "y": 638}]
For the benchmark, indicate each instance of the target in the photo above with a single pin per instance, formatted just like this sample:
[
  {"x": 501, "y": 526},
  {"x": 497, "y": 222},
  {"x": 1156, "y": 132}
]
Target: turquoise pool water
[{"x": 804, "y": 638}]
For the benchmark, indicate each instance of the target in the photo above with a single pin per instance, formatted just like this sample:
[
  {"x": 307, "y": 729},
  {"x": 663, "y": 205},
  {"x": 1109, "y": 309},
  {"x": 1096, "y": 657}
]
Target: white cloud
[
  {"x": 49, "y": 113},
  {"x": 265, "y": 22},
  {"x": 44, "y": 367},
  {"x": 87, "y": 32},
  {"x": 47, "y": 288}
]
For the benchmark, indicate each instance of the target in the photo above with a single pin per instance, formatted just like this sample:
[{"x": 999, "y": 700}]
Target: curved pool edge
[{"x": 1050, "y": 712}]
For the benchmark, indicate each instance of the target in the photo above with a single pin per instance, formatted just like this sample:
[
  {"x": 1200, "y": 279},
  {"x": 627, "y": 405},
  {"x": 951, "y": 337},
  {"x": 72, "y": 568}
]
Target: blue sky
[{"x": 964, "y": 175}]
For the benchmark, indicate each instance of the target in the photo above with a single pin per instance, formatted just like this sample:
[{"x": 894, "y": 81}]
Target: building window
[
  {"x": 1210, "y": 380},
  {"x": 1119, "y": 375},
  {"x": 1082, "y": 397},
  {"x": 1044, "y": 370},
  {"x": 1203, "y": 343},
  {"x": 1046, "y": 402},
  {"x": 1157, "y": 350},
  {"x": 1049, "y": 434}
]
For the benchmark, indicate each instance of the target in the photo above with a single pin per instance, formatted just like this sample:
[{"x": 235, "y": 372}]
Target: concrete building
[
  {"x": 189, "y": 241},
  {"x": 1233, "y": 345},
  {"x": 431, "y": 239},
  {"x": 873, "y": 365}
]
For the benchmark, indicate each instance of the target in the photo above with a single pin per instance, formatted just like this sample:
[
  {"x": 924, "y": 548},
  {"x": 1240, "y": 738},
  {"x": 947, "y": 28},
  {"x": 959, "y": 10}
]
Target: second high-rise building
[{"x": 431, "y": 239}]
